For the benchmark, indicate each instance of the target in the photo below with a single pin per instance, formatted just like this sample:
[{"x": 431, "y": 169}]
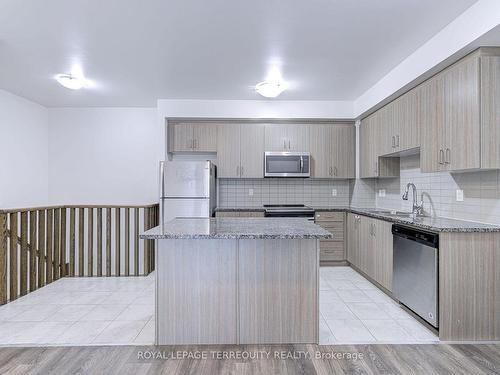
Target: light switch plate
[
  {"x": 460, "y": 195},
  {"x": 381, "y": 193},
  {"x": 250, "y": 192},
  {"x": 334, "y": 192}
]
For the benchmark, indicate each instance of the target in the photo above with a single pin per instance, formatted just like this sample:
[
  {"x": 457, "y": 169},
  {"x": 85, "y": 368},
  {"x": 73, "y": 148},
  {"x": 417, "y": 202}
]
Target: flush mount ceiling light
[
  {"x": 274, "y": 84},
  {"x": 71, "y": 81},
  {"x": 270, "y": 89}
]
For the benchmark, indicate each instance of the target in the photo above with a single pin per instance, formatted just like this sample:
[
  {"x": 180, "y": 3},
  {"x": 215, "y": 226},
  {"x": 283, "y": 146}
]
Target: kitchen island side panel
[
  {"x": 196, "y": 291},
  {"x": 278, "y": 291}
]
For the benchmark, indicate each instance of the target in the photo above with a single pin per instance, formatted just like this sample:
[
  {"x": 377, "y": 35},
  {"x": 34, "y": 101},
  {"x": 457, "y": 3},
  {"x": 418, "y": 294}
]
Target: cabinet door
[
  {"x": 298, "y": 137},
  {"x": 366, "y": 238},
  {"x": 365, "y": 149},
  {"x": 431, "y": 118},
  {"x": 462, "y": 121},
  {"x": 182, "y": 135},
  {"x": 407, "y": 128},
  {"x": 276, "y": 138},
  {"x": 386, "y": 120},
  {"x": 228, "y": 151},
  {"x": 252, "y": 150},
  {"x": 353, "y": 240},
  {"x": 382, "y": 250},
  {"x": 490, "y": 112},
  {"x": 343, "y": 150},
  {"x": 320, "y": 147},
  {"x": 205, "y": 137}
]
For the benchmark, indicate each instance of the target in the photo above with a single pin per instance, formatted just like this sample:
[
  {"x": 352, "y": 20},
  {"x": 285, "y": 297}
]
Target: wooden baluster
[
  {"x": 90, "y": 242},
  {"x": 146, "y": 242},
  {"x": 13, "y": 257},
  {"x": 41, "y": 248},
  {"x": 49, "y": 245},
  {"x": 72, "y": 241},
  {"x": 127, "y": 241},
  {"x": 62, "y": 259},
  {"x": 108, "y": 241},
  {"x": 57, "y": 244},
  {"x": 24, "y": 255},
  {"x": 81, "y": 260},
  {"x": 136, "y": 241},
  {"x": 117, "y": 242},
  {"x": 33, "y": 251},
  {"x": 3, "y": 258},
  {"x": 99, "y": 242}
]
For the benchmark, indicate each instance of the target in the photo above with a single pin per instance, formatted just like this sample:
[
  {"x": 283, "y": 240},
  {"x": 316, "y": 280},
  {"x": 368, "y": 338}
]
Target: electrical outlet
[
  {"x": 334, "y": 192},
  {"x": 381, "y": 193},
  {"x": 250, "y": 192},
  {"x": 460, "y": 195}
]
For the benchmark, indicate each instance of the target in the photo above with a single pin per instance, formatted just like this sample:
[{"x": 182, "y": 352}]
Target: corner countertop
[
  {"x": 434, "y": 224},
  {"x": 238, "y": 228}
]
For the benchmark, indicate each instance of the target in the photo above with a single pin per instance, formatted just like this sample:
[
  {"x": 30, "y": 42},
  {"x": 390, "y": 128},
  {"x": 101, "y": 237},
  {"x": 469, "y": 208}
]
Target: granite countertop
[
  {"x": 435, "y": 224},
  {"x": 239, "y": 209},
  {"x": 238, "y": 228}
]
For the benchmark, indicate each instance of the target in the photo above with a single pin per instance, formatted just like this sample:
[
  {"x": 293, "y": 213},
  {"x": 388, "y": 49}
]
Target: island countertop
[{"x": 237, "y": 228}]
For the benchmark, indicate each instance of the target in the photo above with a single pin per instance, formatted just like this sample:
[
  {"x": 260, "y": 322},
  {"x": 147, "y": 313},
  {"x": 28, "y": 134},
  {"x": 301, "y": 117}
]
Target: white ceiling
[{"x": 136, "y": 52}]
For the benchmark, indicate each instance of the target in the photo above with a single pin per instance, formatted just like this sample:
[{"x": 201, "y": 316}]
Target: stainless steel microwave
[{"x": 287, "y": 164}]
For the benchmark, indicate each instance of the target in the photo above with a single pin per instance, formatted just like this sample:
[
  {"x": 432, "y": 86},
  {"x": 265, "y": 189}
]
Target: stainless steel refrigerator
[{"x": 187, "y": 189}]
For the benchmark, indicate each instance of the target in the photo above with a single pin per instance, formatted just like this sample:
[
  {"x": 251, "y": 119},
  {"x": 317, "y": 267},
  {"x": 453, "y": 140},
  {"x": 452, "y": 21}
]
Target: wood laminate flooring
[{"x": 377, "y": 359}]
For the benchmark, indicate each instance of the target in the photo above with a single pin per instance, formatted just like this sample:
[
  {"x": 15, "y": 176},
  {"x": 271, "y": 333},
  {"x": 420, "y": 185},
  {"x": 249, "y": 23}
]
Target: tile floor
[
  {"x": 120, "y": 311},
  {"x": 354, "y": 311},
  {"x": 82, "y": 311}
]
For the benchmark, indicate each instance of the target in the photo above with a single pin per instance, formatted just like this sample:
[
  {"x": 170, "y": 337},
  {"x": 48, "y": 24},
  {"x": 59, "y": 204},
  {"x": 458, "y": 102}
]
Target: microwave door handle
[{"x": 301, "y": 164}]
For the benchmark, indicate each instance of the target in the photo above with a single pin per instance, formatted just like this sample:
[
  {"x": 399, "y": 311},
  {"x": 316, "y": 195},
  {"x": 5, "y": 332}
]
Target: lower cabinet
[
  {"x": 332, "y": 251},
  {"x": 370, "y": 247}
]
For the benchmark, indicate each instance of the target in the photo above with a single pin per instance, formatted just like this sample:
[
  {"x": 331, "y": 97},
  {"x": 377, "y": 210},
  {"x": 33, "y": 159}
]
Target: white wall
[
  {"x": 23, "y": 152},
  {"x": 104, "y": 155}
]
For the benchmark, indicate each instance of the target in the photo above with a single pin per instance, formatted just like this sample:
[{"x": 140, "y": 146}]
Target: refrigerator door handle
[{"x": 162, "y": 192}]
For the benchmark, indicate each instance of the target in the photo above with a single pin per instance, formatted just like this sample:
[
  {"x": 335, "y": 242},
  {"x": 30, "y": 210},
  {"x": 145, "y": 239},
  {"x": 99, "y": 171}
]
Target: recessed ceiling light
[
  {"x": 71, "y": 81},
  {"x": 270, "y": 89}
]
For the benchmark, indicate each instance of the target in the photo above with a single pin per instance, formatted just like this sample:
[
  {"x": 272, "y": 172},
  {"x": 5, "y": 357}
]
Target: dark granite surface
[
  {"x": 238, "y": 228},
  {"x": 435, "y": 224}
]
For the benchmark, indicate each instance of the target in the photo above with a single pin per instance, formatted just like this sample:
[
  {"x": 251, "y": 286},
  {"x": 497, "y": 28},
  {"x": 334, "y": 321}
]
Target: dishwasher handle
[{"x": 426, "y": 238}]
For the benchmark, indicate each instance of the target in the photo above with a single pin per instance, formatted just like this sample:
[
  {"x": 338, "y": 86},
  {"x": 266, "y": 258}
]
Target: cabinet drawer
[
  {"x": 331, "y": 250},
  {"x": 329, "y": 216},
  {"x": 337, "y": 230}
]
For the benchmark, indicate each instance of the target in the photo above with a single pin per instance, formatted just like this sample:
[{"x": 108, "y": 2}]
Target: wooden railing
[{"x": 42, "y": 244}]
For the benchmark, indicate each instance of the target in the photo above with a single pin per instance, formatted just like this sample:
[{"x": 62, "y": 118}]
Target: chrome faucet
[{"x": 417, "y": 209}]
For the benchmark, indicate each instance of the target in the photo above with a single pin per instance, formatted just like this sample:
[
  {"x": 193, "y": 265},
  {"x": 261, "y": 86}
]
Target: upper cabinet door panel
[
  {"x": 252, "y": 150},
  {"x": 228, "y": 151},
  {"x": 205, "y": 137},
  {"x": 490, "y": 112},
  {"x": 182, "y": 135},
  {"x": 298, "y": 137},
  {"x": 408, "y": 130},
  {"x": 462, "y": 111},
  {"x": 431, "y": 118},
  {"x": 276, "y": 137},
  {"x": 320, "y": 138},
  {"x": 343, "y": 140}
]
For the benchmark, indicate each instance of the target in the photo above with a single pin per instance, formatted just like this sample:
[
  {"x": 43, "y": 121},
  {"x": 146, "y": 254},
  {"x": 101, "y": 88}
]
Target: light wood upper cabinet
[
  {"x": 287, "y": 137},
  {"x": 228, "y": 150},
  {"x": 320, "y": 139},
  {"x": 240, "y": 150},
  {"x": 490, "y": 112},
  {"x": 407, "y": 126},
  {"x": 252, "y": 150},
  {"x": 189, "y": 137},
  {"x": 344, "y": 151},
  {"x": 367, "y": 152}
]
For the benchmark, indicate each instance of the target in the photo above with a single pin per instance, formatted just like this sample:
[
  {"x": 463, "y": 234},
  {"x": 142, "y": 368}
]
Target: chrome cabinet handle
[
  {"x": 330, "y": 171},
  {"x": 397, "y": 139},
  {"x": 447, "y": 156},
  {"x": 241, "y": 171},
  {"x": 335, "y": 171},
  {"x": 441, "y": 156},
  {"x": 393, "y": 141},
  {"x": 289, "y": 144}
]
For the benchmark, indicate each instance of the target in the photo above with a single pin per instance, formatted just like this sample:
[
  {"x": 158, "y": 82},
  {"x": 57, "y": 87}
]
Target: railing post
[{"x": 3, "y": 258}]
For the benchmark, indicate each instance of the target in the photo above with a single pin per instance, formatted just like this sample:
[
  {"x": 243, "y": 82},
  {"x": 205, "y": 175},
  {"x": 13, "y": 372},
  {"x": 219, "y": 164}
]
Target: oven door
[{"x": 287, "y": 164}]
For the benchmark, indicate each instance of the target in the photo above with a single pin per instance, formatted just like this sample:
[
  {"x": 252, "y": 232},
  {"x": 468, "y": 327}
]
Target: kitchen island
[{"x": 237, "y": 280}]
